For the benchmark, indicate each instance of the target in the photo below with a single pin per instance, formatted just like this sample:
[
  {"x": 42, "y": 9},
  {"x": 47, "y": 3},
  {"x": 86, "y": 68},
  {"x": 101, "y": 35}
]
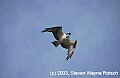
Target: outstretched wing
[
  {"x": 71, "y": 50},
  {"x": 57, "y": 31}
]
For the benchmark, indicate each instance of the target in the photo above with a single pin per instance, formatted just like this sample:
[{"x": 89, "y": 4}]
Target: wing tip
[
  {"x": 57, "y": 27},
  {"x": 42, "y": 31},
  {"x": 46, "y": 30},
  {"x": 49, "y": 29},
  {"x": 67, "y": 58}
]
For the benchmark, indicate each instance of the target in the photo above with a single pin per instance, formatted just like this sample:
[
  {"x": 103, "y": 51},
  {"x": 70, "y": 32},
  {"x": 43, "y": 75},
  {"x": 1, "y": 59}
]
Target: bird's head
[{"x": 68, "y": 33}]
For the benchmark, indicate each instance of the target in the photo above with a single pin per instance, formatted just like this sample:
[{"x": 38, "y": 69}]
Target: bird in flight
[{"x": 62, "y": 39}]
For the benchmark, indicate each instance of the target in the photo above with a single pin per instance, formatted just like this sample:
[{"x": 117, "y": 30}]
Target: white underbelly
[
  {"x": 61, "y": 40},
  {"x": 64, "y": 41}
]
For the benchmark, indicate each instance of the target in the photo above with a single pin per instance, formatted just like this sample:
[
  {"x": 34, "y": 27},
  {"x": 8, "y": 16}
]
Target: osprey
[{"x": 62, "y": 39}]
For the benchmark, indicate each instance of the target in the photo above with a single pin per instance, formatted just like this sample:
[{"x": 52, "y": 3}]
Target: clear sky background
[{"x": 25, "y": 52}]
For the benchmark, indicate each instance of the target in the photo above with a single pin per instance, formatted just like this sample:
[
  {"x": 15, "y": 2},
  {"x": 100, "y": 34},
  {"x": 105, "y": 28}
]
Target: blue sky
[{"x": 25, "y": 52}]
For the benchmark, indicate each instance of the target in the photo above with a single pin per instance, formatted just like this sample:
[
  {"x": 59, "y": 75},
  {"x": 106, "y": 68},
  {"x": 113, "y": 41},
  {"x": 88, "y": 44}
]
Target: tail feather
[
  {"x": 55, "y": 43},
  {"x": 69, "y": 56},
  {"x": 75, "y": 44}
]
